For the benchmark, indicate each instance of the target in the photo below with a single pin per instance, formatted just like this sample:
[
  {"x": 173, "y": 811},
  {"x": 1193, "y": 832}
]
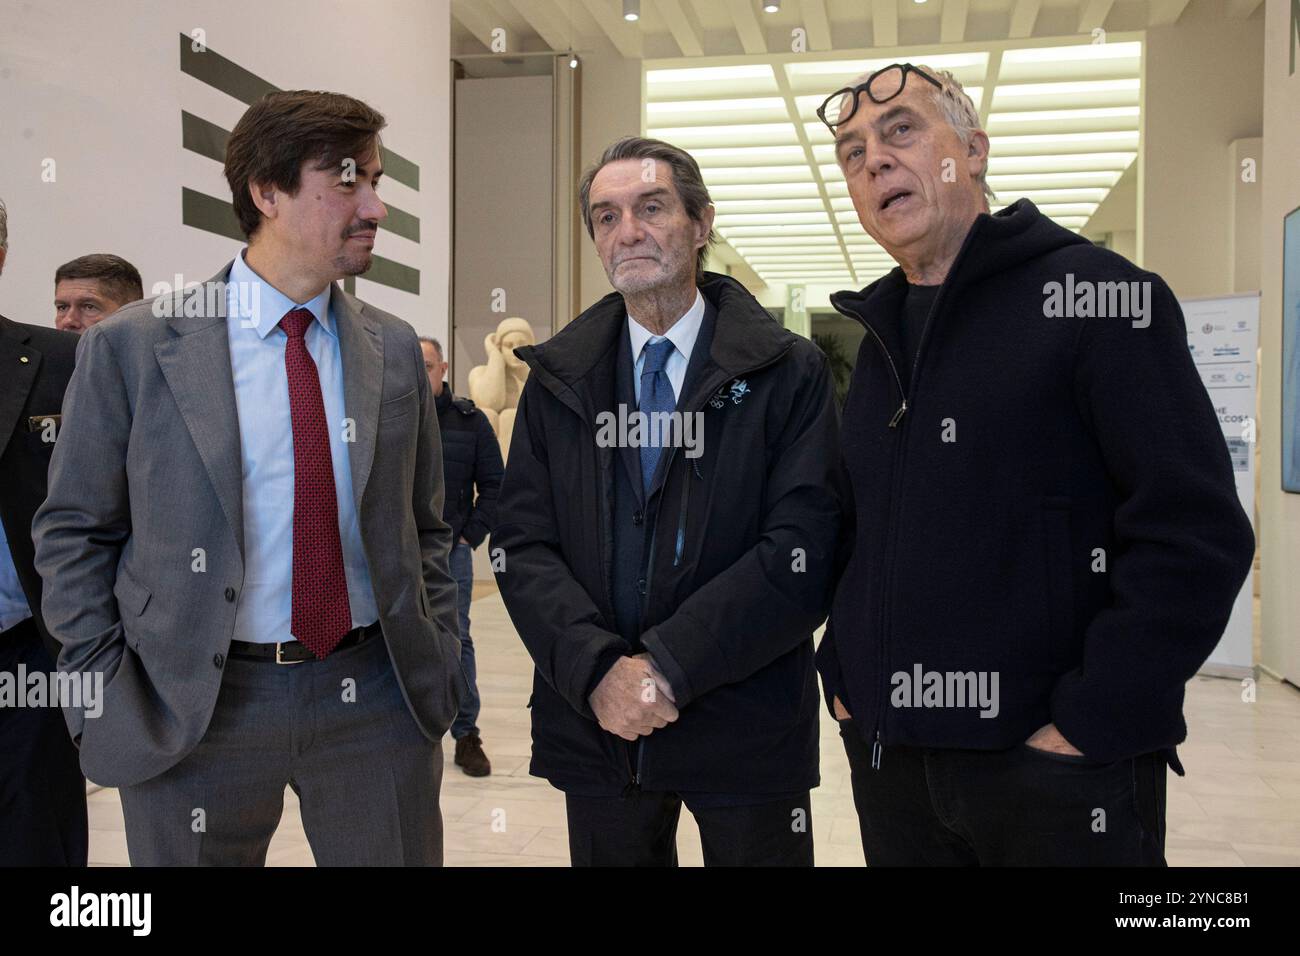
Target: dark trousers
[
  {"x": 640, "y": 829},
  {"x": 42, "y": 792},
  {"x": 1016, "y": 807},
  {"x": 461, "y": 564}
]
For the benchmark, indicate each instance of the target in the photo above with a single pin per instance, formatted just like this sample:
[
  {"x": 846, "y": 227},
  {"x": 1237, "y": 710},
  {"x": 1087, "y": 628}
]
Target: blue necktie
[{"x": 656, "y": 396}]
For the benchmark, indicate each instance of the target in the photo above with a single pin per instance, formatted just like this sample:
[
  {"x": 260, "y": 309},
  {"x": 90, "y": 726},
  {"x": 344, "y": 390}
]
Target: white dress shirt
[
  {"x": 257, "y": 344},
  {"x": 682, "y": 334}
]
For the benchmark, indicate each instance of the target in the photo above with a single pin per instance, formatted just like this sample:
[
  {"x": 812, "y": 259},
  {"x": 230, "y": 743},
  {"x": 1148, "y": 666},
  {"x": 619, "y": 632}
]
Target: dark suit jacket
[{"x": 29, "y": 389}]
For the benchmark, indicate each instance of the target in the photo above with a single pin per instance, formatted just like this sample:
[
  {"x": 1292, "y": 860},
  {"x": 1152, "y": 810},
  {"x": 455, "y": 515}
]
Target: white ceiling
[
  {"x": 1056, "y": 83},
  {"x": 1062, "y": 120},
  {"x": 711, "y": 28}
]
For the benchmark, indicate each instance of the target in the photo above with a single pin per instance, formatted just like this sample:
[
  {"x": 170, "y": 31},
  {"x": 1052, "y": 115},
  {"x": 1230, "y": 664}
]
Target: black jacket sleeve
[
  {"x": 1184, "y": 544},
  {"x": 488, "y": 471},
  {"x": 556, "y": 618},
  {"x": 828, "y": 659},
  {"x": 778, "y": 592}
]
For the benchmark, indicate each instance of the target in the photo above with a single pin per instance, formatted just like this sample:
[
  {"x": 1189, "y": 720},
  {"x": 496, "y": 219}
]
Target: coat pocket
[
  {"x": 397, "y": 407},
  {"x": 132, "y": 599}
]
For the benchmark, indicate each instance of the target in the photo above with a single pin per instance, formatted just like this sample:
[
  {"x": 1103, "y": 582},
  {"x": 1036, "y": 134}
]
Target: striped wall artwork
[{"x": 216, "y": 215}]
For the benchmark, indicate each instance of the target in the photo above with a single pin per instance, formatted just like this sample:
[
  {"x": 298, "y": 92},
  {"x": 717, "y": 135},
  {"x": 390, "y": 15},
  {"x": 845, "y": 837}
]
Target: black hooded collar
[{"x": 994, "y": 243}]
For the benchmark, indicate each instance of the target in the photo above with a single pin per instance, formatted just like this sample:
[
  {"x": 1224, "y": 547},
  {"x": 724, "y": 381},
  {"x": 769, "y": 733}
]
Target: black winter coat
[
  {"x": 740, "y": 551},
  {"x": 1051, "y": 500},
  {"x": 471, "y": 457},
  {"x": 38, "y": 362}
]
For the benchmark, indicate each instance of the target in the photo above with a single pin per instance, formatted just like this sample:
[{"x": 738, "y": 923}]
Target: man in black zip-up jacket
[
  {"x": 471, "y": 458},
  {"x": 668, "y": 595},
  {"x": 1047, "y": 540}
]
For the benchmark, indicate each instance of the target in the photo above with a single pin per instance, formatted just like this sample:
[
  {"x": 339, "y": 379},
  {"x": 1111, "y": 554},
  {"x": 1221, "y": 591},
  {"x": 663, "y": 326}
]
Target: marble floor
[{"x": 1239, "y": 804}]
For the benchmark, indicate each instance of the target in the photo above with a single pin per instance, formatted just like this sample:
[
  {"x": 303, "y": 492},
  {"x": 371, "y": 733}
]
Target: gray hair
[
  {"x": 957, "y": 108},
  {"x": 4, "y": 226},
  {"x": 686, "y": 177},
  {"x": 437, "y": 346}
]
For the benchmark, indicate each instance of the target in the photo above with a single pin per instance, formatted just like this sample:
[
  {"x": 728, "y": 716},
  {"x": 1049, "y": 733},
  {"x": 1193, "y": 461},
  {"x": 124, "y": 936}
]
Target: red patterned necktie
[{"x": 321, "y": 612}]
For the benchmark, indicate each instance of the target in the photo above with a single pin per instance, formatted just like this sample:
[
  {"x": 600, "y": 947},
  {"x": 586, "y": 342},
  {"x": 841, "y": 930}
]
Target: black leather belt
[{"x": 293, "y": 652}]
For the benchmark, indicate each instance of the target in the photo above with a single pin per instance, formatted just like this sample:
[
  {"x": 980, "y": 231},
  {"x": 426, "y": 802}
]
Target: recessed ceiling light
[
  {"x": 771, "y": 6},
  {"x": 631, "y": 9}
]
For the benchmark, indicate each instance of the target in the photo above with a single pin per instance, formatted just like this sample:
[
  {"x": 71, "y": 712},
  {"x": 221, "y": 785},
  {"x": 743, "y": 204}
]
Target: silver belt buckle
[{"x": 279, "y": 659}]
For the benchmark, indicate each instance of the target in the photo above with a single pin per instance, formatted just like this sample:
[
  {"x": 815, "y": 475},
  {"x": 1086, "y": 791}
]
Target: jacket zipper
[
  {"x": 877, "y": 747},
  {"x": 634, "y": 778},
  {"x": 681, "y": 517},
  {"x": 902, "y": 409},
  {"x": 649, "y": 573},
  {"x": 681, "y": 525}
]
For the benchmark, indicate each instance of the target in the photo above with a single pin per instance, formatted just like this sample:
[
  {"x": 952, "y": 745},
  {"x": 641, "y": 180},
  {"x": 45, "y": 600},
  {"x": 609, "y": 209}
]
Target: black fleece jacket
[{"x": 1050, "y": 500}]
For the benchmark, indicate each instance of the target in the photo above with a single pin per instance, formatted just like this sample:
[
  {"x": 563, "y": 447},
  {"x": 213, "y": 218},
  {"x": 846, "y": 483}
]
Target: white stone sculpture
[{"x": 495, "y": 387}]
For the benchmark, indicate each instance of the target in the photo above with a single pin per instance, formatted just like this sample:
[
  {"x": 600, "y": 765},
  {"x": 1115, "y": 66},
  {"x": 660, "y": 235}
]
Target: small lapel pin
[{"x": 23, "y": 359}]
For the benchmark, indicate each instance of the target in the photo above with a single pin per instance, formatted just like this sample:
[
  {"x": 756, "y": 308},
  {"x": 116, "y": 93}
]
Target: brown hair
[
  {"x": 285, "y": 129},
  {"x": 686, "y": 177},
  {"x": 121, "y": 279}
]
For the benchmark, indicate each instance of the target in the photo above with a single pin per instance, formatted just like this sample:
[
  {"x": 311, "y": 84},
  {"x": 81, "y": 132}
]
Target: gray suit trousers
[{"x": 337, "y": 731}]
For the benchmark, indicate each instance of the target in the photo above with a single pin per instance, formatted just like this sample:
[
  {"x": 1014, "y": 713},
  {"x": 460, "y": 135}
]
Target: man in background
[
  {"x": 91, "y": 288},
  {"x": 471, "y": 458},
  {"x": 42, "y": 792}
]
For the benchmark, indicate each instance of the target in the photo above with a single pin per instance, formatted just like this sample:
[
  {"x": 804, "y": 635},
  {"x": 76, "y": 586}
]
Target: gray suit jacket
[{"x": 148, "y": 468}]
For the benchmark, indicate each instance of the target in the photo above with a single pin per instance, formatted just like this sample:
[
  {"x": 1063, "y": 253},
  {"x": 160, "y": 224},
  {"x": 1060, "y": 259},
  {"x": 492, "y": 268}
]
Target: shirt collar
[
  {"x": 682, "y": 333},
  {"x": 251, "y": 298}
]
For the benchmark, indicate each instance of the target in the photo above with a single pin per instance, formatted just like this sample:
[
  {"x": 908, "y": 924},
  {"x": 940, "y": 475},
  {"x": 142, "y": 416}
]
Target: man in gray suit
[{"x": 243, "y": 530}]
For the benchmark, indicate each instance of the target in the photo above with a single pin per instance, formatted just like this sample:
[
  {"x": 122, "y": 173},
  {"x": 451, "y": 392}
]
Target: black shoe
[{"x": 470, "y": 756}]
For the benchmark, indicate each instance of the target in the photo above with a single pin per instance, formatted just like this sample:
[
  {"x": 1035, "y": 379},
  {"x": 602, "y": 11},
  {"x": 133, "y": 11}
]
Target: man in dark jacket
[
  {"x": 667, "y": 588},
  {"x": 1048, "y": 541},
  {"x": 471, "y": 457},
  {"x": 42, "y": 791}
]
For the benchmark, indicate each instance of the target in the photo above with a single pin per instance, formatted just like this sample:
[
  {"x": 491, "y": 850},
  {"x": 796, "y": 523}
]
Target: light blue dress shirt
[
  {"x": 257, "y": 343},
  {"x": 683, "y": 334},
  {"x": 13, "y": 602}
]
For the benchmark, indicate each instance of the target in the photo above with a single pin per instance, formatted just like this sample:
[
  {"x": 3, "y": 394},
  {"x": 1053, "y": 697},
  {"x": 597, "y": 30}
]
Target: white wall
[
  {"x": 1244, "y": 197},
  {"x": 610, "y": 109},
  {"x": 504, "y": 229},
  {"x": 1279, "y": 512},
  {"x": 1201, "y": 91},
  {"x": 97, "y": 87}
]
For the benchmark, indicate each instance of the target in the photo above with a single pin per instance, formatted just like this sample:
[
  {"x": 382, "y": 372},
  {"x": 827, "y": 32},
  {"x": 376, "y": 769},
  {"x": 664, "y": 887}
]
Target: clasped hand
[{"x": 633, "y": 699}]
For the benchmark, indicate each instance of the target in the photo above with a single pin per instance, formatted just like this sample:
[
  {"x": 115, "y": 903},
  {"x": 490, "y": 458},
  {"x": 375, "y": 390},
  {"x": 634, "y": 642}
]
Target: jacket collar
[
  {"x": 994, "y": 243},
  {"x": 745, "y": 337},
  {"x": 15, "y": 331},
  {"x": 19, "y": 363}
]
